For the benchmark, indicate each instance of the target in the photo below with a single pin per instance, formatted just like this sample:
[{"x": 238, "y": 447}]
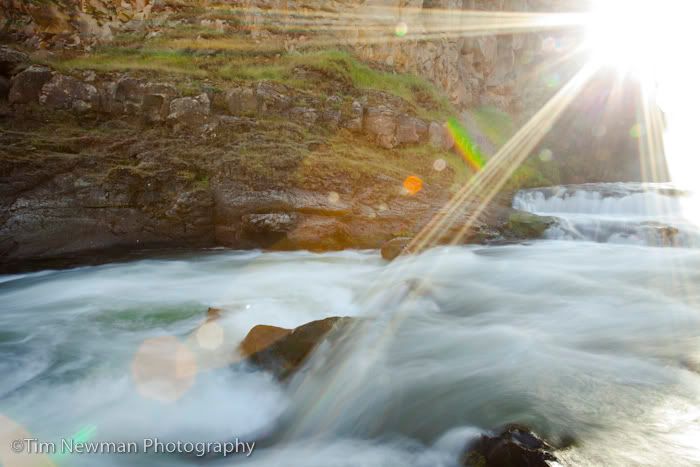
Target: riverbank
[{"x": 98, "y": 164}]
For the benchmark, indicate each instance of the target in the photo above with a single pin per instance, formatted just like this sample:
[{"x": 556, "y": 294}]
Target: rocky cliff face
[
  {"x": 195, "y": 147},
  {"x": 437, "y": 40}
]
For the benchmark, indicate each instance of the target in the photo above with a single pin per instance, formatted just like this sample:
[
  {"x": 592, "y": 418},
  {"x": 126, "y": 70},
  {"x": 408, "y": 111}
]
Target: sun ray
[{"x": 486, "y": 183}]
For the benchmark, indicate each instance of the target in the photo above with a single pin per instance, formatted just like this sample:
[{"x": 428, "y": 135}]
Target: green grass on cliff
[{"x": 221, "y": 66}]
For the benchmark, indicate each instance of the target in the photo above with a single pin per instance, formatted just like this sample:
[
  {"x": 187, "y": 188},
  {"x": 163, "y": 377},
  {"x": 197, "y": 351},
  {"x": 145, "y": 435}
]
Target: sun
[
  {"x": 656, "y": 42},
  {"x": 619, "y": 33}
]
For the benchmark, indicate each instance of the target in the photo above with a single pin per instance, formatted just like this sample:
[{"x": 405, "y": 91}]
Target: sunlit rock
[{"x": 286, "y": 354}]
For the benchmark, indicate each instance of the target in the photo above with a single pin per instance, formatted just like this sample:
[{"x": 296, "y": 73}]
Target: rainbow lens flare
[{"x": 465, "y": 145}]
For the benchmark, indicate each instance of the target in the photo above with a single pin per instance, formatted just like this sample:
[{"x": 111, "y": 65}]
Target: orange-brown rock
[
  {"x": 261, "y": 337},
  {"x": 286, "y": 355}
]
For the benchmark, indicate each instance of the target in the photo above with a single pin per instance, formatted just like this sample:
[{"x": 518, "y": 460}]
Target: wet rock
[
  {"x": 241, "y": 101},
  {"x": 380, "y": 124},
  {"x": 260, "y": 338},
  {"x": 523, "y": 225},
  {"x": 287, "y": 354},
  {"x": 67, "y": 93},
  {"x": 12, "y": 61},
  {"x": 27, "y": 85},
  {"x": 410, "y": 130},
  {"x": 516, "y": 446},
  {"x": 394, "y": 247},
  {"x": 190, "y": 111}
]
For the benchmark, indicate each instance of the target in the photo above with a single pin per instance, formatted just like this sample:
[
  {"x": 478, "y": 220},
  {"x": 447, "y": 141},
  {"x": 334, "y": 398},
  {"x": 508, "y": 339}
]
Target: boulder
[
  {"x": 12, "y": 61},
  {"x": 190, "y": 111},
  {"x": 516, "y": 446},
  {"x": 67, "y": 93},
  {"x": 27, "y": 85},
  {"x": 261, "y": 337},
  {"x": 353, "y": 121},
  {"x": 394, "y": 247},
  {"x": 439, "y": 137},
  {"x": 155, "y": 103},
  {"x": 524, "y": 225},
  {"x": 380, "y": 124},
  {"x": 287, "y": 354},
  {"x": 129, "y": 90},
  {"x": 410, "y": 130},
  {"x": 241, "y": 101}
]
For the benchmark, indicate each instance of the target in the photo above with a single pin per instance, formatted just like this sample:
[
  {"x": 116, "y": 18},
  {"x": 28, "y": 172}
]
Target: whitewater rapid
[
  {"x": 591, "y": 342},
  {"x": 654, "y": 214}
]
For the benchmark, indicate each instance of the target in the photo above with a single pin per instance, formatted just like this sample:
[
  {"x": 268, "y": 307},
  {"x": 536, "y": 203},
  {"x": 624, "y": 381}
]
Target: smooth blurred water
[
  {"x": 637, "y": 213},
  {"x": 598, "y": 342}
]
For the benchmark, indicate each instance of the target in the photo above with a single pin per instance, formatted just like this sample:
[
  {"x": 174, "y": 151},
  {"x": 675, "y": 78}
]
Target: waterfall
[{"x": 636, "y": 213}]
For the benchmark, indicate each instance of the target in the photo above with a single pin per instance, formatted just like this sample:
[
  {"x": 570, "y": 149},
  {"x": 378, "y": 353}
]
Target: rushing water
[
  {"x": 652, "y": 214},
  {"x": 595, "y": 342}
]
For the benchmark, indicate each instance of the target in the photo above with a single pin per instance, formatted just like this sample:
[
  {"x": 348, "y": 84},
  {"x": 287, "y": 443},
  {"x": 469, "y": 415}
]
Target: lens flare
[
  {"x": 401, "y": 29},
  {"x": 439, "y": 165},
  {"x": 13, "y": 451},
  {"x": 413, "y": 184},
  {"x": 210, "y": 335},
  {"x": 163, "y": 369},
  {"x": 465, "y": 145}
]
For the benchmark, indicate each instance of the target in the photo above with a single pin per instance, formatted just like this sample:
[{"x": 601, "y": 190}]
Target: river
[{"x": 589, "y": 335}]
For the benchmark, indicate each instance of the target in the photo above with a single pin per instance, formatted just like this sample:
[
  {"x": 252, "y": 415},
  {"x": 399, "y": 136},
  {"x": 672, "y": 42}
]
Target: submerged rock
[
  {"x": 286, "y": 353},
  {"x": 516, "y": 446}
]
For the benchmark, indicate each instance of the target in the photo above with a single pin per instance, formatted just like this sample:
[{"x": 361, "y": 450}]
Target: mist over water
[{"x": 595, "y": 342}]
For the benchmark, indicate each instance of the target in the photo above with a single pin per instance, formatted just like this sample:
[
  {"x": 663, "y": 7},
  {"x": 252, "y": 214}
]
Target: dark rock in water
[
  {"x": 287, "y": 354},
  {"x": 516, "y": 446},
  {"x": 523, "y": 225},
  {"x": 394, "y": 247}
]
